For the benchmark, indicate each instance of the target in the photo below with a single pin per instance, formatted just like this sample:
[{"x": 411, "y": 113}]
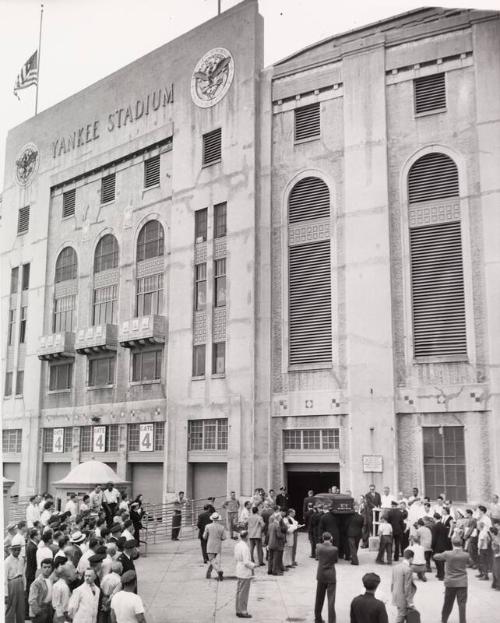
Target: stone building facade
[{"x": 224, "y": 276}]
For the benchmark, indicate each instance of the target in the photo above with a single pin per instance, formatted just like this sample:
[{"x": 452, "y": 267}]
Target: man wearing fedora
[
  {"x": 14, "y": 586},
  {"x": 214, "y": 535}
]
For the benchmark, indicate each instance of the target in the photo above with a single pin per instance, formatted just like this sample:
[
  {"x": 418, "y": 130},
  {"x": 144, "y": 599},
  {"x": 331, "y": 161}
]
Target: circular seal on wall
[
  {"x": 212, "y": 77},
  {"x": 27, "y": 164}
]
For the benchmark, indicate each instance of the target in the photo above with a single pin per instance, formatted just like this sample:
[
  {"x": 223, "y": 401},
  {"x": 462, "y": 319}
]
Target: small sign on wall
[
  {"x": 373, "y": 463},
  {"x": 58, "y": 440},
  {"x": 146, "y": 437},
  {"x": 99, "y": 438}
]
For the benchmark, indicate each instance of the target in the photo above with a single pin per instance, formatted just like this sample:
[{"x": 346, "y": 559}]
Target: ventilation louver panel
[
  {"x": 212, "y": 146},
  {"x": 438, "y": 291},
  {"x": 108, "y": 188},
  {"x": 309, "y": 199},
  {"x": 307, "y": 122},
  {"x": 152, "y": 172},
  {"x": 310, "y": 303},
  {"x": 430, "y": 93},
  {"x": 434, "y": 176},
  {"x": 23, "y": 220},
  {"x": 69, "y": 199}
]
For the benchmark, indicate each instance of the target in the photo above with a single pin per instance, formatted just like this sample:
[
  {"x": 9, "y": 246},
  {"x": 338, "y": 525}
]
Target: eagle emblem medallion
[
  {"x": 212, "y": 77},
  {"x": 27, "y": 164}
]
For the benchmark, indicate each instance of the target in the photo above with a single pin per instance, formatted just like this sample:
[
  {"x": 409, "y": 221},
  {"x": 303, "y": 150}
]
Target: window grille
[
  {"x": 69, "y": 200},
  {"x": 220, "y": 218},
  {"x": 25, "y": 280},
  {"x": 68, "y": 439},
  {"x": 101, "y": 371},
  {"x": 433, "y": 176},
  {"x": 60, "y": 376},
  {"x": 23, "y": 220},
  {"x": 22, "y": 325},
  {"x": 66, "y": 265},
  {"x": 14, "y": 279},
  {"x": 430, "y": 93},
  {"x": 146, "y": 365},
  {"x": 112, "y": 437},
  {"x": 208, "y": 434},
  {"x": 133, "y": 437},
  {"x": 8, "y": 384},
  {"x": 309, "y": 199},
  {"x": 20, "y": 383},
  {"x": 219, "y": 358},
  {"x": 220, "y": 282},
  {"x": 200, "y": 225},
  {"x": 311, "y": 439},
  {"x": 150, "y": 242},
  {"x": 11, "y": 327},
  {"x": 307, "y": 122},
  {"x": 152, "y": 171},
  {"x": 106, "y": 254},
  {"x": 199, "y": 360},
  {"x": 87, "y": 438},
  {"x": 48, "y": 439},
  {"x": 200, "y": 286},
  {"x": 212, "y": 147},
  {"x": 149, "y": 298},
  {"x": 12, "y": 439},
  {"x": 159, "y": 435},
  {"x": 64, "y": 313},
  {"x": 105, "y": 305},
  {"x": 108, "y": 184},
  {"x": 133, "y": 442},
  {"x": 444, "y": 462}
]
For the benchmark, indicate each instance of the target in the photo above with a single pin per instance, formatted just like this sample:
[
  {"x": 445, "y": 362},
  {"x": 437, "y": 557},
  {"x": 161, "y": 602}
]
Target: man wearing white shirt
[
  {"x": 83, "y": 563},
  {"x": 95, "y": 499},
  {"x": 127, "y": 606},
  {"x": 244, "y": 573},
  {"x": 71, "y": 505},
  {"x": 387, "y": 499},
  {"x": 20, "y": 539},
  {"x": 84, "y": 602},
  {"x": 44, "y": 550},
  {"x": 33, "y": 511}
]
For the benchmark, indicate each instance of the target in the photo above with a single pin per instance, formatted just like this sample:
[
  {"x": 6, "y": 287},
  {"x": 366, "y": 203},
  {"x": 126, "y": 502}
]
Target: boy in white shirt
[{"x": 385, "y": 535}]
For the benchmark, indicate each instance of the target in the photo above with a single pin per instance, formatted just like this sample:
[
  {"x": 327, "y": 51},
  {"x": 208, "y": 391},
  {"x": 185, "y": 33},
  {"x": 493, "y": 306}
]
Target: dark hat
[
  {"x": 101, "y": 550},
  {"x": 394, "y": 503},
  {"x": 437, "y": 516},
  {"x": 60, "y": 560},
  {"x": 128, "y": 577},
  {"x": 97, "y": 558},
  {"x": 131, "y": 543},
  {"x": 115, "y": 528}
]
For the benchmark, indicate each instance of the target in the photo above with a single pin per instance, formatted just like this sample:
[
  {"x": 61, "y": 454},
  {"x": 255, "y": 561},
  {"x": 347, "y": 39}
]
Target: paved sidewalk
[{"x": 174, "y": 589}]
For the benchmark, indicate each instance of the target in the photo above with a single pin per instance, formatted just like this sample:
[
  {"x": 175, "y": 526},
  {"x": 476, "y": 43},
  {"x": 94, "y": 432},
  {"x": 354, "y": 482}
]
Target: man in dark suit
[
  {"x": 307, "y": 501},
  {"x": 354, "y": 532},
  {"x": 395, "y": 518},
  {"x": 30, "y": 570},
  {"x": 440, "y": 543},
  {"x": 126, "y": 558},
  {"x": 282, "y": 499},
  {"x": 372, "y": 500},
  {"x": 326, "y": 578},
  {"x": 204, "y": 520},
  {"x": 366, "y": 608},
  {"x": 329, "y": 523}
]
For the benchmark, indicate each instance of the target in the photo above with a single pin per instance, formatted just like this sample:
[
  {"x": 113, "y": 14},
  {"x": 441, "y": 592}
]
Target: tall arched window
[
  {"x": 65, "y": 296},
  {"x": 309, "y": 273},
  {"x": 149, "y": 286},
  {"x": 105, "y": 303},
  {"x": 437, "y": 284}
]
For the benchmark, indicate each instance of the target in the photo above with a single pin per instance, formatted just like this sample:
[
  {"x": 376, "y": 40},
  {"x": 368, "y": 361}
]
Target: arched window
[
  {"x": 66, "y": 265},
  {"x": 309, "y": 273},
  {"x": 106, "y": 254},
  {"x": 438, "y": 301},
  {"x": 150, "y": 242}
]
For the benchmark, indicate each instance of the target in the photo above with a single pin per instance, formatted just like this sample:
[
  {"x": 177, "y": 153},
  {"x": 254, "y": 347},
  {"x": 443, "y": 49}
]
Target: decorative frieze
[
  {"x": 433, "y": 213},
  {"x": 309, "y": 231}
]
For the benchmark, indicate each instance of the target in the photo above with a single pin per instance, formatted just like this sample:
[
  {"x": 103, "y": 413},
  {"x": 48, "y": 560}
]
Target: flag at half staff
[{"x": 28, "y": 74}]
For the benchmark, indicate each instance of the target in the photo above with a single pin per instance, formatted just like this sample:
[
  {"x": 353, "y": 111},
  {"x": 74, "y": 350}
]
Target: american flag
[{"x": 28, "y": 74}]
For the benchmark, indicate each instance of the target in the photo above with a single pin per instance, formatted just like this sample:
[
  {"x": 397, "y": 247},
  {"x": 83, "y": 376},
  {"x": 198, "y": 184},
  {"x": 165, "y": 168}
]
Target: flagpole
[{"x": 39, "y": 57}]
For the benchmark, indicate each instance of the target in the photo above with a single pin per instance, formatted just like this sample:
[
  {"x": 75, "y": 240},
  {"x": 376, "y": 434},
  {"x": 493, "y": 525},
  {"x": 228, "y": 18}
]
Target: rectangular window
[
  {"x": 12, "y": 440},
  {"x": 67, "y": 442},
  {"x": 23, "y": 220},
  {"x": 87, "y": 438},
  {"x": 14, "y": 280},
  {"x": 8, "y": 384},
  {"x": 220, "y": 218},
  {"x": 212, "y": 147},
  {"x": 22, "y": 325},
  {"x": 200, "y": 225},
  {"x": 19, "y": 382},
  {"x": 430, "y": 93},
  {"x": 60, "y": 376},
  {"x": 69, "y": 199},
  {"x": 11, "y": 327},
  {"x": 200, "y": 286},
  {"x": 101, "y": 371},
  {"x": 444, "y": 462},
  {"x": 220, "y": 282},
  {"x": 199, "y": 360},
  {"x": 219, "y": 358},
  {"x": 208, "y": 434},
  {"x": 146, "y": 365},
  {"x": 307, "y": 122},
  {"x": 25, "y": 281},
  {"x": 152, "y": 172},
  {"x": 311, "y": 439},
  {"x": 64, "y": 314},
  {"x": 105, "y": 305},
  {"x": 108, "y": 188},
  {"x": 133, "y": 444},
  {"x": 149, "y": 298}
]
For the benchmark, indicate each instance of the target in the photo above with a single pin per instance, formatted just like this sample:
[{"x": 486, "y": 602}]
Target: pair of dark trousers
[
  {"x": 450, "y": 592},
  {"x": 45, "y": 615},
  {"x": 396, "y": 545},
  {"x": 203, "y": 544},
  {"x": 294, "y": 548},
  {"x": 275, "y": 562},
  {"x": 428, "y": 557},
  {"x": 385, "y": 547},
  {"x": 312, "y": 541},
  {"x": 256, "y": 543},
  {"x": 322, "y": 589},
  {"x": 176, "y": 524},
  {"x": 353, "y": 549},
  {"x": 242, "y": 592},
  {"x": 440, "y": 569}
]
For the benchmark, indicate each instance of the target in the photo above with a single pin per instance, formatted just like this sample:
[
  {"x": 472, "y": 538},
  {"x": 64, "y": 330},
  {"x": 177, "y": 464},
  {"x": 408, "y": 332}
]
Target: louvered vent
[
  {"x": 152, "y": 172},
  {"x": 430, "y": 93},
  {"x": 310, "y": 303},
  {"x": 309, "y": 199},
  {"x": 212, "y": 146},
  {"x": 434, "y": 176},
  {"x": 307, "y": 122},
  {"x": 69, "y": 199},
  {"x": 23, "y": 220},
  {"x": 438, "y": 290},
  {"x": 108, "y": 188}
]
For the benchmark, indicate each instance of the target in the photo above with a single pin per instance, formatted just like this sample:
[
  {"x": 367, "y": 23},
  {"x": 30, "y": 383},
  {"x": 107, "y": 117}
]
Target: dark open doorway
[{"x": 299, "y": 483}]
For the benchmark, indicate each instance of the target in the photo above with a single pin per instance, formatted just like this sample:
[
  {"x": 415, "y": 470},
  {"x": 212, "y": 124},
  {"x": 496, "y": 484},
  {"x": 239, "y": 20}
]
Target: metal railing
[{"x": 16, "y": 508}]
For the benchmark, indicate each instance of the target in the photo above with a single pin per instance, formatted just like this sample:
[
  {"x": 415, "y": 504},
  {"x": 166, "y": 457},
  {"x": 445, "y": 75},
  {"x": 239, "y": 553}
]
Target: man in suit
[
  {"x": 41, "y": 609},
  {"x": 126, "y": 558},
  {"x": 402, "y": 588},
  {"x": 329, "y": 523},
  {"x": 203, "y": 521},
  {"x": 307, "y": 501},
  {"x": 326, "y": 578},
  {"x": 214, "y": 534},
  {"x": 440, "y": 543},
  {"x": 372, "y": 500},
  {"x": 395, "y": 518},
  {"x": 455, "y": 581},
  {"x": 30, "y": 571},
  {"x": 354, "y": 532},
  {"x": 282, "y": 499},
  {"x": 366, "y": 608},
  {"x": 276, "y": 543}
]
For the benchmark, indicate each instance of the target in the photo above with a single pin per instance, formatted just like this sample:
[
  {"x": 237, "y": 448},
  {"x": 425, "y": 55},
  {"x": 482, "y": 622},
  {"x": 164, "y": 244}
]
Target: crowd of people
[{"x": 75, "y": 564}]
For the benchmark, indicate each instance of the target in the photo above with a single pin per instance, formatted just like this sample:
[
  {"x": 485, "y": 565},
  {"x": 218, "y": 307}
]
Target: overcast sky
[{"x": 85, "y": 40}]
